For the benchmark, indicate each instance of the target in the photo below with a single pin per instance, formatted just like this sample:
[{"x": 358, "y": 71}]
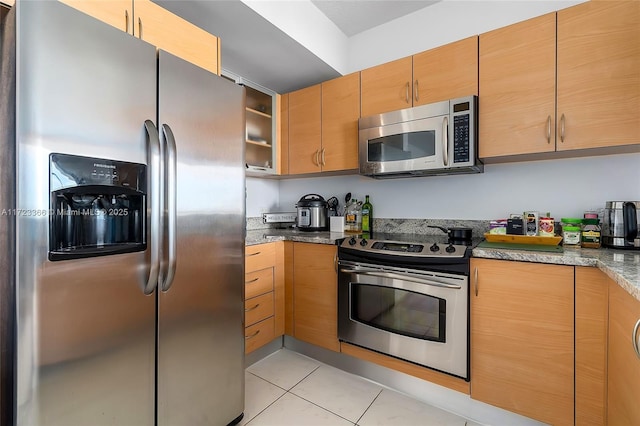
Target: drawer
[
  {"x": 258, "y": 282},
  {"x": 258, "y": 334},
  {"x": 258, "y": 308},
  {"x": 259, "y": 257}
]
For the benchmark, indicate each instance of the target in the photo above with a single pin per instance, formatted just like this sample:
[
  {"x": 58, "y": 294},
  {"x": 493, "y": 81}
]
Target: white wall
[{"x": 565, "y": 188}]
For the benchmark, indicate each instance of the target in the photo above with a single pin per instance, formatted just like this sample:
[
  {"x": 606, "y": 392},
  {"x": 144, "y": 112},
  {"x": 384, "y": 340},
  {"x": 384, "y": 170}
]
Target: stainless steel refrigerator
[{"x": 122, "y": 208}]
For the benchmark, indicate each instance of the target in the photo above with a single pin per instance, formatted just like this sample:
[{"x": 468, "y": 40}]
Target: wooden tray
[{"x": 522, "y": 239}]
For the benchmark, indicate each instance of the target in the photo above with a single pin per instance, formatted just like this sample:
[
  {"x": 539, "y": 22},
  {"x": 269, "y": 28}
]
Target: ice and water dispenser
[{"x": 97, "y": 207}]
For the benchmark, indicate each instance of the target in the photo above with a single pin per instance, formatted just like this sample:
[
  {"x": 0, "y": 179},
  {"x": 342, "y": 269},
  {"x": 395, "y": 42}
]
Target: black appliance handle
[
  {"x": 630, "y": 221},
  {"x": 319, "y": 197}
]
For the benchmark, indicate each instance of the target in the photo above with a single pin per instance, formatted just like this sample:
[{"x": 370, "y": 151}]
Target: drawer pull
[
  {"x": 251, "y": 281},
  {"x": 252, "y": 308},
  {"x": 253, "y": 254},
  {"x": 635, "y": 338},
  {"x": 252, "y": 336}
]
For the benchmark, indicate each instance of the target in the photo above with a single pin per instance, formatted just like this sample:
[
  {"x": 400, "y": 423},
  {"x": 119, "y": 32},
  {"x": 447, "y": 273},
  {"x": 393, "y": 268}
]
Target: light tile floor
[{"x": 287, "y": 388}]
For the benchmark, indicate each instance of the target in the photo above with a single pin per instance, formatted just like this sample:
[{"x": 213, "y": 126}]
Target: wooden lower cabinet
[
  {"x": 315, "y": 295},
  {"x": 623, "y": 361},
  {"x": 592, "y": 310},
  {"x": 522, "y": 338},
  {"x": 264, "y": 294}
]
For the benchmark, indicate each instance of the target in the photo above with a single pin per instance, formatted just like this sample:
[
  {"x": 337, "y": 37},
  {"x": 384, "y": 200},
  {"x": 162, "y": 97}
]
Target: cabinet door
[
  {"x": 173, "y": 34},
  {"x": 387, "y": 87},
  {"x": 624, "y": 363},
  {"x": 340, "y": 114},
  {"x": 305, "y": 130},
  {"x": 599, "y": 75},
  {"x": 315, "y": 295},
  {"x": 117, "y": 13},
  {"x": 282, "y": 148},
  {"x": 522, "y": 338},
  {"x": 447, "y": 72},
  {"x": 592, "y": 307},
  {"x": 517, "y": 68}
]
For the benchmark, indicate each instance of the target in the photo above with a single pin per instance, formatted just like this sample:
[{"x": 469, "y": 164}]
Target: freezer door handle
[
  {"x": 169, "y": 208},
  {"x": 153, "y": 205}
]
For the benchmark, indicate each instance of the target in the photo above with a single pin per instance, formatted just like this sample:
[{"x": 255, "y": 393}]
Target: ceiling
[
  {"x": 355, "y": 16},
  {"x": 257, "y": 50}
]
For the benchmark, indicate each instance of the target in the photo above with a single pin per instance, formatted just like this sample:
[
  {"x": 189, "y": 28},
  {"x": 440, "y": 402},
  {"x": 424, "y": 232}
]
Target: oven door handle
[{"x": 391, "y": 275}]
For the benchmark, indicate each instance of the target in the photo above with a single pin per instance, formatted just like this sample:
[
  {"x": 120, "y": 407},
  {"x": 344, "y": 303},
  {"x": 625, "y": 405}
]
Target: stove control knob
[
  {"x": 450, "y": 248},
  {"x": 434, "y": 247},
  {"x": 352, "y": 241},
  {"x": 363, "y": 242}
]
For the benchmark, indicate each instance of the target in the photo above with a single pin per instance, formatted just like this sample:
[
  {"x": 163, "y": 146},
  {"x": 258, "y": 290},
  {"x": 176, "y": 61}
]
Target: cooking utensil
[
  {"x": 332, "y": 204},
  {"x": 456, "y": 233}
]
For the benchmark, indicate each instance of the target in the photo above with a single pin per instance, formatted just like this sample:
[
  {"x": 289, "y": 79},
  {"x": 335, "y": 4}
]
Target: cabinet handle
[
  {"x": 335, "y": 261},
  {"x": 475, "y": 279},
  {"x": 253, "y": 308},
  {"x": 140, "y": 28},
  {"x": 562, "y": 120},
  {"x": 322, "y": 157},
  {"x": 634, "y": 338},
  {"x": 253, "y": 254},
  {"x": 251, "y": 281},
  {"x": 253, "y": 335},
  {"x": 317, "y": 161},
  {"x": 415, "y": 89},
  {"x": 407, "y": 92},
  {"x": 126, "y": 21},
  {"x": 549, "y": 129}
]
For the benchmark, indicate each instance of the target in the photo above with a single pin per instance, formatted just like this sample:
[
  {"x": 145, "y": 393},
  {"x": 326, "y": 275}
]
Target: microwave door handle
[
  {"x": 153, "y": 206},
  {"x": 391, "y": 275},
  {"x": 170, "y": 205},
  {"x": 445, "y": 140}
]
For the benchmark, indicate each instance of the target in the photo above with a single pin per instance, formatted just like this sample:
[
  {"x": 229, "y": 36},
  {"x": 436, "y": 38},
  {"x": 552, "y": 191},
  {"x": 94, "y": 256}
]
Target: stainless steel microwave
[{"x": 434, "y": 139}]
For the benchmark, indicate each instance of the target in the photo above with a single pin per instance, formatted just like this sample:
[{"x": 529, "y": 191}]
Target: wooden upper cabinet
[
  {"x": 117, "y": 13},
  {"x": 517, "y": 72},
  {"x": 522, "y": 338},
  {"x": 599, "y": 75},
  {"x": 173, "y": 34},
  {"x": 305, "y": 130},
  {"x": 446, "y": 72},
  {"x": 623, "y": 361},
  {"x": 283, "y": 131},
  {"x": 340, "y": 114},
  {"x": 387, "y": 87}
]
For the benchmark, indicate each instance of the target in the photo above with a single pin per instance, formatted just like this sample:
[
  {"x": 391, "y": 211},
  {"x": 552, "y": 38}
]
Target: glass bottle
[{"x": 367, "y": 215}]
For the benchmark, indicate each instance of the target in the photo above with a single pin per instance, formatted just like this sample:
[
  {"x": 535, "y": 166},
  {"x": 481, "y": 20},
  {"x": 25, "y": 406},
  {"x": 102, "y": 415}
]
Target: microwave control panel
[{"x": 461, "y": 141}]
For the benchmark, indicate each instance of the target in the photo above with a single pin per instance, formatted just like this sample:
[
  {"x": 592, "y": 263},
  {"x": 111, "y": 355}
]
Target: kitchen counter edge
[{"x": 622, "y": 266}]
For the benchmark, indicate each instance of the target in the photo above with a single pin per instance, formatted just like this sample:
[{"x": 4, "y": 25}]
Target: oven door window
[
  {"x": 402, "y": 147},
  {"x": 399, "y": 311}
]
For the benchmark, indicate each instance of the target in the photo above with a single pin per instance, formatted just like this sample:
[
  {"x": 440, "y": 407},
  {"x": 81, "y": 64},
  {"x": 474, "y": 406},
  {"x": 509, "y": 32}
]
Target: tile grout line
[
  {"x": 320, "y": 406},
  {"x": 369, "y": 406},
  {"x": 265, "y": 408}
]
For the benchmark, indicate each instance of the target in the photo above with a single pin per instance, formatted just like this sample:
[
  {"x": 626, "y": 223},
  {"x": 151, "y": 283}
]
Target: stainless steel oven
[{"x": 406, "y": 299}]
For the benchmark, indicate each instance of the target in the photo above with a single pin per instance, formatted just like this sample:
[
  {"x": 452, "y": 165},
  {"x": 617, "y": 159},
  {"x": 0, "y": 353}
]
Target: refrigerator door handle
[
  {"x": 170, "y": 206},
  {"x": 153, "y": 205}
]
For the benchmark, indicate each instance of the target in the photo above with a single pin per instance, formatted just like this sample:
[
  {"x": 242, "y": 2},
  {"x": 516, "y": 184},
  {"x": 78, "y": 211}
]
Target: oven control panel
[{"x": 431, "y": 249}]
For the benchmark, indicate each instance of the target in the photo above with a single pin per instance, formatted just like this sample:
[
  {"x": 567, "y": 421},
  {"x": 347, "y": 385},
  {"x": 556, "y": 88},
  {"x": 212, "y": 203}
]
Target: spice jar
[
  {"x": 571, "y": 231},
  {"x": 590, "y": 233}
]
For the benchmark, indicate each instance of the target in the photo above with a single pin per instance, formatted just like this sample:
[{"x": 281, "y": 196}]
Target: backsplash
[{"x": 400, "y": 226}]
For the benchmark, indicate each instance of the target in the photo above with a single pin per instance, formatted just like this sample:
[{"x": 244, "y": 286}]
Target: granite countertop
[{"x": 622, "y": 266}]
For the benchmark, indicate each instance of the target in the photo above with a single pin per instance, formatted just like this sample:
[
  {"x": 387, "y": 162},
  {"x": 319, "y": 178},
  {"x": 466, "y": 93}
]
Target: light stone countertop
[{"x": 622, "y": 266}]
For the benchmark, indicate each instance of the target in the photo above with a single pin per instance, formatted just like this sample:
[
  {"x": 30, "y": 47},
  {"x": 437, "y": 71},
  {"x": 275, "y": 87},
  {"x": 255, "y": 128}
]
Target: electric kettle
[{"x": 621, "y": 224}]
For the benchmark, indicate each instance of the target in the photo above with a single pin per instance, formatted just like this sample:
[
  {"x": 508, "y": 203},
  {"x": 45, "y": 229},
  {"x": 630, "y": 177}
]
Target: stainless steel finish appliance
[
  {"x": 406, "y": 299},
  {"x": 621, "y": 224},
  {"x": 435, "y": 139},
  {"x": 312, "y": 213},
  {"x": 124, "y": 171}
]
